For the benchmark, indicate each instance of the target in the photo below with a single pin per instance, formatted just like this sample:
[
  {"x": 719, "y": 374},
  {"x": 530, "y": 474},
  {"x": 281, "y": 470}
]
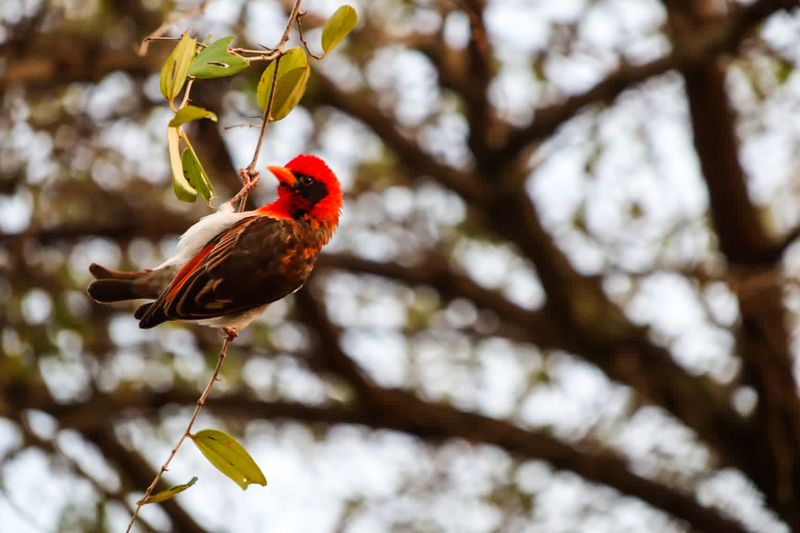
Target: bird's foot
[
  {"x": 230, "y": 333},
  {"x": 249, "y": 182}
]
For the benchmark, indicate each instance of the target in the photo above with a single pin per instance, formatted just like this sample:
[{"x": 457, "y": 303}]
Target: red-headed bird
[{"x": 230, "y": 266}]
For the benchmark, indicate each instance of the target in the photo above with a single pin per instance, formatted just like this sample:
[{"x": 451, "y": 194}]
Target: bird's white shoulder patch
[{"x": 205, "y": 229}]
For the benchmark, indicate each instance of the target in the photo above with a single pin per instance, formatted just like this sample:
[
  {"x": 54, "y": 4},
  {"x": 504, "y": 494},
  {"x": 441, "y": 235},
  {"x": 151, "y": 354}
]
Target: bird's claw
[
  {"x": 230, "y": 333},
  {"x": 249, "y": 182}
]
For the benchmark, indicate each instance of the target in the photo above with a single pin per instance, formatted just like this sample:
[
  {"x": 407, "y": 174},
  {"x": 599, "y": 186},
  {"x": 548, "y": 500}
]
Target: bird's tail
[{"x": 114, "y": 285}]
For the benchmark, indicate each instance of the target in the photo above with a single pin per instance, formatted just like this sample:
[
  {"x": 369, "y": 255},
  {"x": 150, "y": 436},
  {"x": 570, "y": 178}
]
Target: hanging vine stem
[{"x": 250, "y": 178}]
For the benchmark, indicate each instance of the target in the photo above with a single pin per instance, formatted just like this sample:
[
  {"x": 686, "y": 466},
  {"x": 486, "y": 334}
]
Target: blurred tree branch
[
  {"x": 383, "y": 409},
  {"x": 691, "y": 48},
  {"x": 763, "y": 339}
]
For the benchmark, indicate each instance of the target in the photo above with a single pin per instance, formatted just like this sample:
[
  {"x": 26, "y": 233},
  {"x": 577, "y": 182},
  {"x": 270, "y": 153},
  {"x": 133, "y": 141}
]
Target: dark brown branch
[
  {"x": 647, "y": 368},
  {"x": 742, "y": 237},
  {"x": 47, "y": 59},
  {"x": 362, "y": 107},
  {"x": 600, "y": 332},
  {"x": 404, "y": 412},
  {"x": 432, "y": 420},
  {"x": 435, "y": 271},
  {"x": 401, "y": 411},
  {"x": 480, "y": 59},
  {"x": 763, "y": 339},
  {"x": 693, "y": 48},
  {"x": 332, "y": 354}
]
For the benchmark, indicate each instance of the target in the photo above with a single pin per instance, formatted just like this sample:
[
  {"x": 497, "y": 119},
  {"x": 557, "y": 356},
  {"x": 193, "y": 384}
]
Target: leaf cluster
[{"x": 280, "y": 88}]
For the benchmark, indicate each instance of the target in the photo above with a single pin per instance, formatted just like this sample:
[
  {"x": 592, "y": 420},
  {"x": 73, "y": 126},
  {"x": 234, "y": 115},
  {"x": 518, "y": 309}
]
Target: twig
[
  {"x": 158, "y": 33},
  {"x": 265, "y": 121},
  {"x": 250, "y": 170},
  {"x": 303, "y": 39},
  {"x": 223, "y": 352}
]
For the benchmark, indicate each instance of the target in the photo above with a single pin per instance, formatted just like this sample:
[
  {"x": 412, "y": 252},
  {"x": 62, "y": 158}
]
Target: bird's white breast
[{"x": 197, "y": 236}]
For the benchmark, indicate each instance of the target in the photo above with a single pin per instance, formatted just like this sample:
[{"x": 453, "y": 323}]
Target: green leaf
[
  {"x": 338, "y": 26},
  {"x": 293, "y": 74},
  {"x": 229, "y": 457},
  {"x": 216, "y": 61},
  {"x": 169, "y": 493},
  {"x": 189, "y": 113},
  {"x": 195, "y": 174},
  {"x": 291, "y": 88},
  {"x": 784, "y": 71},
  {"x": 176, "y": 67},
  {"x": 182, "y": 189}
]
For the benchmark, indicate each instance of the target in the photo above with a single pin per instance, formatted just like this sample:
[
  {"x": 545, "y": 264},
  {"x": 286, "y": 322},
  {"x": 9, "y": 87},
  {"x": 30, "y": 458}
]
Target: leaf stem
[{"x": 186, "y": 92}]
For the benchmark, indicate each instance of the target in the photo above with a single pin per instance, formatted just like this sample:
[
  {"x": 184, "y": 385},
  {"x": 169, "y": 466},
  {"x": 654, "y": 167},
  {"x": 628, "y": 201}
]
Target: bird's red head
[{"x": 307, "y": 186}]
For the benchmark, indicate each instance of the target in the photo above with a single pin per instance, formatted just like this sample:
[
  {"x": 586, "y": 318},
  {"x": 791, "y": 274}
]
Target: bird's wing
[{"x": 246, "y": 266}]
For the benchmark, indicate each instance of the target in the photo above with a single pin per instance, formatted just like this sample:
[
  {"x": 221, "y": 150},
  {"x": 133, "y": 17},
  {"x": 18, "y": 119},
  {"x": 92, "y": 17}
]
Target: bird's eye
[{"x": 306, "y": 180}]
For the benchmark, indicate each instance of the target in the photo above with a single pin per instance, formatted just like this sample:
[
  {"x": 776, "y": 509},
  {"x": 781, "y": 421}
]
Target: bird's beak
[{"x": 284, "y": 175}]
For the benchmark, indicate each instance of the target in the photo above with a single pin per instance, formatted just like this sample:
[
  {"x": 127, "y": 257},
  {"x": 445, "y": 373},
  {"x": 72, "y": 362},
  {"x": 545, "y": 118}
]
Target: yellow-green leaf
[
  {"x": 216, "y": 61},
  {"x": 195, "y": 174},
  {"x": 293, "y": 74},
  {"x": 289, "y": 91},
  {"x": 229, "y": 457},
  {"x": 176, "y": 67},
  {"x": 169, "y": 493},
  {"x": 189, "y": 113},
  {"x": 182, "y": 189},
  {"x": 338, "y": 26}
]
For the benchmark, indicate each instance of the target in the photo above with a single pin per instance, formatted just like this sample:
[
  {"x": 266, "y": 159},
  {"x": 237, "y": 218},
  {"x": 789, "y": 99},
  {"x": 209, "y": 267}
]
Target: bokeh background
[{"x": 563, "y": 296}]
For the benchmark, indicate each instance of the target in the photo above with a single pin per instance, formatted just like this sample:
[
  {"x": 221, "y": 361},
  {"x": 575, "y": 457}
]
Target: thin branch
[
  {"x": 200, "y": 402},
  {"x": 158, "y": 33},
  {"x": 250, "y": 171},
  {"x": 267, "y": 117},
  {"x": 303, "y": 39},
  {"x": 136, "y": 471}
]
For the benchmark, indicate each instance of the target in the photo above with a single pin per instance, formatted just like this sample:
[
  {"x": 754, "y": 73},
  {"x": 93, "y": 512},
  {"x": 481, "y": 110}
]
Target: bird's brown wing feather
[{"x": 243, "y": 267}]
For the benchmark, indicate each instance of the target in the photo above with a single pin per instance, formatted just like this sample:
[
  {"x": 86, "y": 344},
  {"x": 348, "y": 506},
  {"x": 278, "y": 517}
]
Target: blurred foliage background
[{"x": 563, "y": 296}]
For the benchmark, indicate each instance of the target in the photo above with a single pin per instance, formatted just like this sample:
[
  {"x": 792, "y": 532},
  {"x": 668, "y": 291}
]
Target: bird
[{"x": 229, "y": 266}]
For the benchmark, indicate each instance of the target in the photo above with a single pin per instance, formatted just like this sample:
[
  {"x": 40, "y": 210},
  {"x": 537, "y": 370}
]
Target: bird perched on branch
[{"x": 230, "y": 266}]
